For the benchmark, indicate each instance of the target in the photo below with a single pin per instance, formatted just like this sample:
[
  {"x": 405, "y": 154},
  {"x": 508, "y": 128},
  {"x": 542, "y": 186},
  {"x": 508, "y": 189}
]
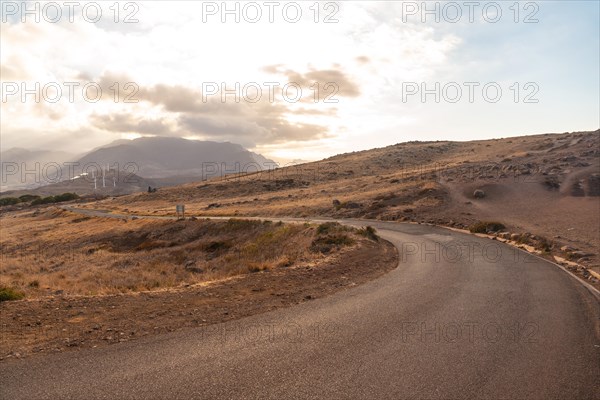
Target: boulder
[{"x": 479, "y": 194}]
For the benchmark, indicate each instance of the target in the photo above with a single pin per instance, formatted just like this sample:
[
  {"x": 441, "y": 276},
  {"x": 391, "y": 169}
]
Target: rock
[
  {"x": 581, "y": 254},
  {"x": 479, "y": 194},
  {"x": 594, "y": 185},
  {"x": 515, "y": 236},
  {"x": 567, "y": 249},
  {"x": 336, "y": 203}
]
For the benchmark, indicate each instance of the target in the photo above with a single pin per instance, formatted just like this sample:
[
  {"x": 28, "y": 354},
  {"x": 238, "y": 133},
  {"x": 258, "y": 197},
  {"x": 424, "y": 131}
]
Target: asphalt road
[{"x": 461, "y": 317}]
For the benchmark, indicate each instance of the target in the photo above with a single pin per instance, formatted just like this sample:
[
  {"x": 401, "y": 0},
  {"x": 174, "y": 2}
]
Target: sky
[{"x": 295, "y": 80}]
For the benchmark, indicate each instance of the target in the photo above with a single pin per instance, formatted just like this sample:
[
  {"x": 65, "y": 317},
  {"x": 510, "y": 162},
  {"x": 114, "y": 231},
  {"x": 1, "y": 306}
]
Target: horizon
[
  {"x": 354, "y": 93},
  {"x": 287, "y": 162}
]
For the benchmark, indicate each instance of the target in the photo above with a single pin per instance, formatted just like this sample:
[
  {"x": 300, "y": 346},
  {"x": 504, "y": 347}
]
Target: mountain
[
  {"x": 27, "y": 169},
  {"x": 174, "y": 158}
]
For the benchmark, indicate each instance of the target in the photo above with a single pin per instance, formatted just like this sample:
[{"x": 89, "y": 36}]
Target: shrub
[
  {"x": 43, "y": 200},
  {"x": 369, "y": 232},
  {"x": 55, "y": 199},
  {"x": 235, "y": 224},
  {"x": 7, "y": 294},
  {"x": 486, "y": 226},
  {"x": 545, "y": 244},
  {"x": 325, "y": 244},
  {"x": 216, "y": 246},
  {"x": 327, "y": 227},
  {"x": 65, "y": 197},
  {"x": 28, "y": 197},
  {"x": 9, "y": 201}
]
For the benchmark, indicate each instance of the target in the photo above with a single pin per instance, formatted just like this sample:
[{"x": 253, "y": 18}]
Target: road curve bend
[{"x": 462, "y": 317}]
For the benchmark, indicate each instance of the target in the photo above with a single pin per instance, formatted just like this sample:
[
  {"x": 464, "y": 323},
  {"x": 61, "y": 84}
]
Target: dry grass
[
  {"x": 423, "y": 182},
  {"x": 60, "y": 252}
]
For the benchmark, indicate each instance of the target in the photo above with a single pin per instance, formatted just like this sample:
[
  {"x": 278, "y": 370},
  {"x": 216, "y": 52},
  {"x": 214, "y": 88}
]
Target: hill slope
[{"x": 545, "y": 185}]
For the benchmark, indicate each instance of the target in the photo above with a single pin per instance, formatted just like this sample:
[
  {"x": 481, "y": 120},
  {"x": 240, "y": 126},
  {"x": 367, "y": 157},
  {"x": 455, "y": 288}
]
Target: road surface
[{"x": 462, "y": 317}]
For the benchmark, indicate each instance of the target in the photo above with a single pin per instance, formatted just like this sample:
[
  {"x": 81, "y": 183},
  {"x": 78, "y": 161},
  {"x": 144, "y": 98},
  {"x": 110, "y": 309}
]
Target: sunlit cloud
[{"x": 169, "y": 60}]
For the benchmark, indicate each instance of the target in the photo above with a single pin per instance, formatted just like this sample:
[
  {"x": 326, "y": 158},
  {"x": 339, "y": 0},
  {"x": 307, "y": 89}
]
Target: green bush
[
  {"x": 327, "y": 227},
  {"x": 65, "y": 197},
  {"x": 43, "y": 200},
  {"x": 486, "y": 226},
  {"x": 55, "y": 199},
  {"x": 7, "y": 294},
  {"x": 28, "y": 197},
  {"x": 9, "y": 201}
]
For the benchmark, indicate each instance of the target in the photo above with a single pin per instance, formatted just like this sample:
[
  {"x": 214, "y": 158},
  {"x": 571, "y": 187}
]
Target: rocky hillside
[{"x": 543, "y": 185}]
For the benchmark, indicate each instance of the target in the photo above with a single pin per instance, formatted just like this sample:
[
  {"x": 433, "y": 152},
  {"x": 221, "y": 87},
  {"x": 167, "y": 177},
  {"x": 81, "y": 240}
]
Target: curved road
[{"x": 461, "y": 317}]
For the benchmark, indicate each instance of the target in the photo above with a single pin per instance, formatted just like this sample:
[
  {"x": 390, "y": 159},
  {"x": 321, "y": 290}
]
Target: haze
[{"x": 374, "y": 53}]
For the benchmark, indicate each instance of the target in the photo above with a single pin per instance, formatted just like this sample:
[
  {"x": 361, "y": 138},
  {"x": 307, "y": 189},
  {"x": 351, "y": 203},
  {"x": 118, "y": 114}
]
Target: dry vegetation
[
  {"x": 57, "y": 252},
  {"x": 544, "y": 186}
]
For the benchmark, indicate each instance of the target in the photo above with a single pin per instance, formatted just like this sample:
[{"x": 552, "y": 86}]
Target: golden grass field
[{"x": 57, "y": 251}]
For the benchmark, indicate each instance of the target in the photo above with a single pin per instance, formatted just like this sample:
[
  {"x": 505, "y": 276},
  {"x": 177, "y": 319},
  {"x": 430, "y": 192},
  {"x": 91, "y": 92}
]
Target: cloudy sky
[{"x": 301, "y": 80}]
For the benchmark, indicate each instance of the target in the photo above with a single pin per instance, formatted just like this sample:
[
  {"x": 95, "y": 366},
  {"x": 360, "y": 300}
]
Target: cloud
[
  {"x": 346, "y": 86},
  {"x": 184, "y": 113},
  {"x": 127, "y": 123}
]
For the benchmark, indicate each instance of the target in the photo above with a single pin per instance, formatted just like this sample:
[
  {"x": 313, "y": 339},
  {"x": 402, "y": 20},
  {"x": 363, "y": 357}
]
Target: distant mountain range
[
  {"x": 160, "y": 157},
  {"x": 165, "y": 161}
]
